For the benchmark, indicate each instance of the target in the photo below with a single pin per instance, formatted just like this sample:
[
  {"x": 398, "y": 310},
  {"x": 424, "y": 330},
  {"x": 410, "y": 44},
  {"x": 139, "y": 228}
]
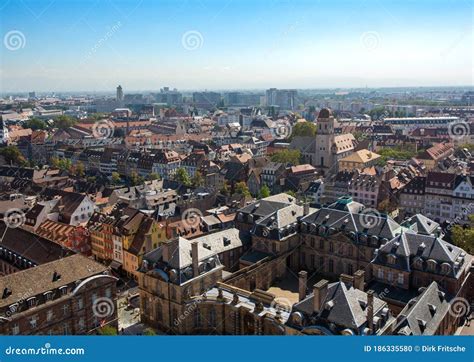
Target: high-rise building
[
  {"x": 283, "y": 98},
  {"x": 119, "y": 95}
]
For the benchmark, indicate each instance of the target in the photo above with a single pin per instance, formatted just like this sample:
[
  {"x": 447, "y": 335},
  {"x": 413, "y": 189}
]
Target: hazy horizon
[{"x": 89, "y": 46}]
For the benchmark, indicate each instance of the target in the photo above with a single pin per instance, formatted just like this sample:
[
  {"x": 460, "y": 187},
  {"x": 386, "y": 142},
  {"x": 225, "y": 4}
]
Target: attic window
[{"x": 432, "y": 309}]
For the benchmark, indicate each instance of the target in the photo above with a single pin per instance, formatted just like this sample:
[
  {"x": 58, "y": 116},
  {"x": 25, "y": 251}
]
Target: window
[
  {"x": 312, "y": 261},
  {"x": 33, "y": 322},
  {"x": 197, "y": 318},
  {"x": 49, "y": 315},
  {"x": 65, "y": 309},
  {"x": 350, "y": 269},
  {"x": 380, "y": 273},
  {"x": 400, "y": 278},
  {"x": 32, "y": 302},
  {"x": 331, "y": 247},
  {"x": 212, "y": 318},
  {"x": 331, "y": 266},
  {"x": 81, "y": 324},
  {"x": 321, "y": 243},
  {"x": 389, "y": 276},
  {"x": 16, "y": 329},
  {"x": 80, "y": 303},
  {"x": 108, "y": 292}
]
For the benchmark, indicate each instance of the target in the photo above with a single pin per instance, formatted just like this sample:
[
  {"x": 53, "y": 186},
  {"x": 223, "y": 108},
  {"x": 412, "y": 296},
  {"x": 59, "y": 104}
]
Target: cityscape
[{"x": 217, "y": 201}]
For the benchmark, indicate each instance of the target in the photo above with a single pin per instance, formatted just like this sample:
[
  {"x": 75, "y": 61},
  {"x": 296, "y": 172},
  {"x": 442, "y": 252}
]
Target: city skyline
[{"x": 88, "y": 46}]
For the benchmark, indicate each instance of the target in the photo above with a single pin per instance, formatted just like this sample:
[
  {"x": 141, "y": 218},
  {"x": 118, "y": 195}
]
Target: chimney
[
  {"x": 306, "y": 208},
  {"x": 302, "y": 281},
  {"x": 320, "y": 291},
  {"x": 370, "y": 311},
  {"x": 195, "y": 258},
  {"x": 348, "y": 280},
  {"x": 359, "y": 277}
]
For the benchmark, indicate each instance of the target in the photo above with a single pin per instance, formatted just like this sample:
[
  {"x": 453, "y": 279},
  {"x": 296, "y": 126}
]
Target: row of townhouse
[
  {"x": 123, "y": 237},
  {"x": 440, "y": 196}
]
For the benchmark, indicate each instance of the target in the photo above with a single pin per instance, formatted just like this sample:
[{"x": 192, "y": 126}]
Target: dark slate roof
[
  {"x": 420, "y": 224},
  {"x": 268, "y": 205},
  {"x": 30, "y": 246},
  {"x": 344, "y": 306},
  {"x": 410, "y": 247},
  {"x": 350, "y": 217},
  {"x": 423, "y": 314}
]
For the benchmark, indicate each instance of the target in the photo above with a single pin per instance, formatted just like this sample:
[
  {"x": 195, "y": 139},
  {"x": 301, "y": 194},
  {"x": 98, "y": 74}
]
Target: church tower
[{"x": 324, "y": 139}]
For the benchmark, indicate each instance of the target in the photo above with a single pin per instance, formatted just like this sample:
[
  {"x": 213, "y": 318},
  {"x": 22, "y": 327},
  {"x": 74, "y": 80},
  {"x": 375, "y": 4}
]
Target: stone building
[{"x": 72, "y": 295}]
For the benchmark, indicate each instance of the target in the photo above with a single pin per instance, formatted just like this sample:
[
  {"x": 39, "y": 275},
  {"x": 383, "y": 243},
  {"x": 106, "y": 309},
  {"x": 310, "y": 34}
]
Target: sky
[{"x": 85, "y": 45}]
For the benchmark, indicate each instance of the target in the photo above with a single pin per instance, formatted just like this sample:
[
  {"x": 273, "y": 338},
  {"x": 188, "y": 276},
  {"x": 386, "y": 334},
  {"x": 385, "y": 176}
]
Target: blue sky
[{"x": 145, "y": 45}]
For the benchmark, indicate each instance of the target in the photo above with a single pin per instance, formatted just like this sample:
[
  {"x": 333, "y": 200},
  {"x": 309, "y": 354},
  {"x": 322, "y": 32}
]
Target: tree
[
  {"x": 107, "y": 331},
  {"x": 12, "y": 155},
  {"x": 304, "y": 129},
  {"x": 242, "y": 189},
  {"x": 198, "y": 180},
  {"x": 397, "y": 153},
  {"x": 225, "y": 189},
  {"x": 64, "y": 122},
  {"x": 287, "y": 156},
  {"x": 153, "y": 176},
  {"x": 149, "y": 332},
  {"x": 182, "y": 176},
  {"x": 35, "y": 124},
  {"x": 463, "y": 237},
  {"x": 79, "y": 170},
  {"x": 264, "y": 191},
  {"x": 116, "y": 178},
  {"x": 136, "y": 179}
]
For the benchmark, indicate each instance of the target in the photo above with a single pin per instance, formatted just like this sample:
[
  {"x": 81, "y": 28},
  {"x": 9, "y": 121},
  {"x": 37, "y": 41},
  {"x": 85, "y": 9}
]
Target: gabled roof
[
  {"x": 344, "y": 306},
  {"x": 423, "y": 314}
]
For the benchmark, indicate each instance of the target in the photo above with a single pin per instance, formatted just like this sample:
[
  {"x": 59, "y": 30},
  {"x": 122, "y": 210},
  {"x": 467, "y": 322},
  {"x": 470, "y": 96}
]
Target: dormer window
[
  {"x": 63, "y": 290},
  {"x": 445, "y": 268},
  {"x": 48, "y": 295},
  {"x": 32, "y": 302},
  {"x": 432, "y": 265},
  {"x": 391, "y": 258},
  {"x": 419, "y": 263}
]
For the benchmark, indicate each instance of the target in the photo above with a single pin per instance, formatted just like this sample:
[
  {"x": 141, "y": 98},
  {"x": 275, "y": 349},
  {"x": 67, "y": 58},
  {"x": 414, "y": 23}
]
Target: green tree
[
  {"x": 12, "y": 155},
  {"x": 107, "y": 331},
  {"x": 116, "y": 179},
  {"x": 149, "y": 332},
  {"x": 242, "y": 189},
  {"x": 304, "y": 129},
  {"x": 287, "y": 156},
  {"x": 463, "y": 237},
  {"x": 35, "y": 124},
  {"x": 225, "y": 189},
  {"x": 64, "y": 122},
  {"x": 153, "y": 176},
  {"x": 264, "y": 191},
  {"x": 80, "y": 170},
  {"x": 136, "y": 179},
  {"x": 198, "y": 180},
  {"x": 183, "y": 177}
]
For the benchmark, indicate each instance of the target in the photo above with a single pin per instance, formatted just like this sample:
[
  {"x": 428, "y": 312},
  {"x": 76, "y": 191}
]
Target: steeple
[{"x": 325, "y": 122}]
